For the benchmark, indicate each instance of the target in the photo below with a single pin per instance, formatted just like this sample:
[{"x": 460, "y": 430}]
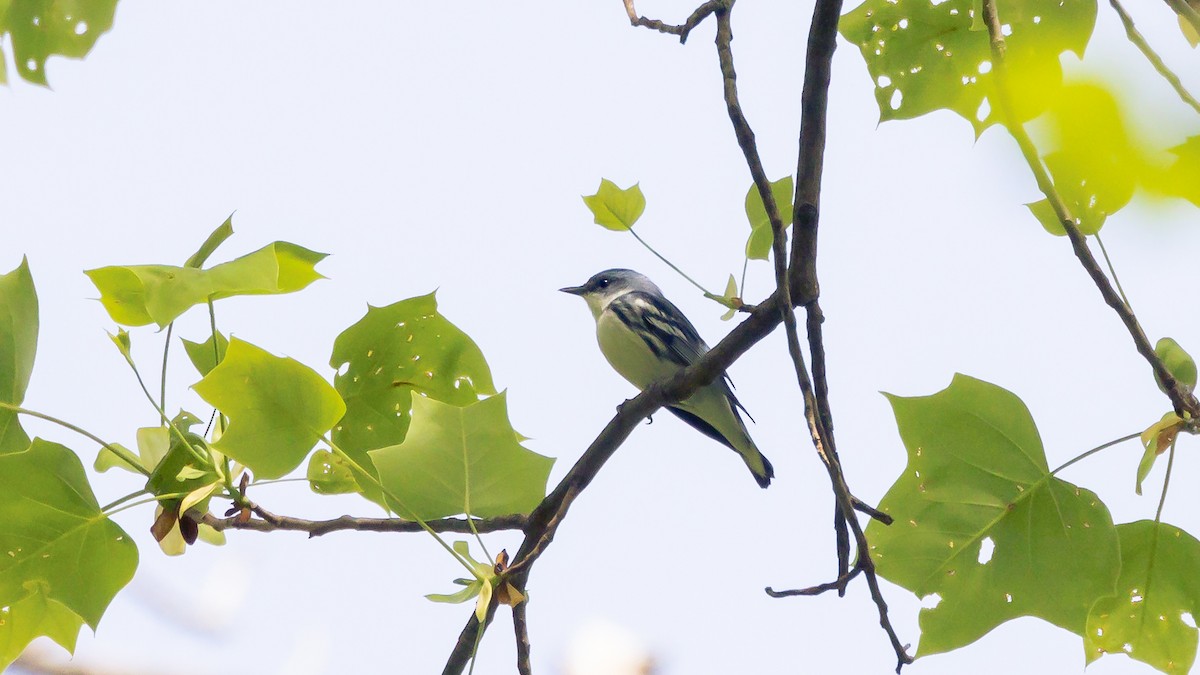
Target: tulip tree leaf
[
  {"x": 54, "y": 537},
  {"x": 329, "y": 474},
  {"x": 614, "y": 208},
  {"x": 43, "y": 28},
  {"x": 1095, "y": 164},
  {"x": 1157, "y": 586},
  {"x": 388, "y": 355},
  {"x": 33, "y": 616},
  {"x": 927, "y": 56},
  {"x": 461, "y": 459},
  {"x": 137, "y": 295},
  {"x": 278, "y": 408},
  {"x": 758, "y": 246},
  {"x": 18, "y": 345},
  {"x": 202, "y": 354},
  {"x": 977, "y": 472}
]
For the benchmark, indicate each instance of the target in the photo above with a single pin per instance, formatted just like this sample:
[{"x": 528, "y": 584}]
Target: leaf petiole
[{"x": 117, "y": 450}]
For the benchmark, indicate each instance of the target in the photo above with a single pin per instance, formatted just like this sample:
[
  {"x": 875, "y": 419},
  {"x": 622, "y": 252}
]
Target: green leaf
[
  {"x": 977, "y": 472},
  {"x": 1178, "y": 362},
  {"x": 758, "y": 246},
  {"x": 614, "y": 208},
  {"x": 136, "y": 295},
  {"x": 1182, "y": 177},
  {"x": 218, "y": 237},
  {"x": 202, "y": 354},
  {"x": 329, "y": 474},
  {"x": 18, "y": 345},
  {"x": 33, "y": 616},
  {"x": 925, "y": 56},
  {"x": 123, "y": 344},
  {"x": 53, "y": 535},
  {"x": 461, "y": 460},
  {"x": 42, "y": 28},
  {"x": 730, "y": 299},
  {"x": 1157, "y": 586},
  {"x": 177, "y": 471},
  {"x": 388, "y": 355},
  {"x": 278, "y": 408},
  {"x": 1156, "y": 440},
  {"x": 1095, "y": 165}
]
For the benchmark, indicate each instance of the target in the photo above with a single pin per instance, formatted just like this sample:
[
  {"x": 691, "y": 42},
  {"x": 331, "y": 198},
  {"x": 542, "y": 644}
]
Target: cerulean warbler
[{"x": 646, "y": 338}]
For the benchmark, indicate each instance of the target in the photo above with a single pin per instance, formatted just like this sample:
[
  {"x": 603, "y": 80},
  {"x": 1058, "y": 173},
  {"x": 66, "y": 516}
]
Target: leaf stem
[
  {"x": 117, "y": 450},
  {"x": 670, "y": 264},
  {"x": 200, "y": 457},
  {"x": 1096, "y": 449},
  {"x": 162, "y": 384},
  {"x": 122, "y": 500},
  {"x": 1140, "y": 42},
  {"x": 152, "y": 499},
  {"x": 1113, "y": 271},
  {"x": 1162, "y": 500},
  {"x": 420, "y": 521}
]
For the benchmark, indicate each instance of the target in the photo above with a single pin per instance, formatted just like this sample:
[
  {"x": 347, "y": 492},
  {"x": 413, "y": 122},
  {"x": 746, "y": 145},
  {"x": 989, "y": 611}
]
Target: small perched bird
[{"x": 646, "y": 338}]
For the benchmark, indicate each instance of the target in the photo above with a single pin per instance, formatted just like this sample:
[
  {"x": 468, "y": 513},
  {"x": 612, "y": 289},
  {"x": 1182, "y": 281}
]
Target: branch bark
[{"x": 269, "y": 522}]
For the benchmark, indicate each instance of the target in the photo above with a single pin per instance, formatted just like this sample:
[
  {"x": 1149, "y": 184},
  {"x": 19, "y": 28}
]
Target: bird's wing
[
  {"x": 660, "y": 324},
  {"x": 668, "y": 333}
]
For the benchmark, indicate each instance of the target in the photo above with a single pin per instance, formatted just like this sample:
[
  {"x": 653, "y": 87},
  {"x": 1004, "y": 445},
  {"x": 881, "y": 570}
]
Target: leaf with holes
[
  {"x": 758, "y": 246},
  {"x": 1158, "y": 585},
  {"x": 461, "y": 459},
  {"x": 18, "y": 345},
  {"x": 383, "y": 359},
  {"x": 614, "y": 208},
  {"x": 976, "y": 472},
  {"x": 137, "y": 295},
  {"x": 43, "y": 28},
  {"x": 925, "y": 56},
  {"x": 278, "y": 408},
  {"x": 54, "y": 539}
]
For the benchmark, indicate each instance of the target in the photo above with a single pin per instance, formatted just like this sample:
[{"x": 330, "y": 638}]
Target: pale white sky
[{"x": 445, "y": 145}]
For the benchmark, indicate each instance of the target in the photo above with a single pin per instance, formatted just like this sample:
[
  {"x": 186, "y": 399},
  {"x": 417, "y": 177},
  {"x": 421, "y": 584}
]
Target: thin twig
[
  {"x": 1140, "y": 42},
  {"x": 1182, "y": 400},
  {"x": 682, "y": 30},
  {"x": 822, "y": 42},
  {"x": 835, "y": 585},
  {"x": 1185, "y": 10},
  {"x": 269, "y": 522}
]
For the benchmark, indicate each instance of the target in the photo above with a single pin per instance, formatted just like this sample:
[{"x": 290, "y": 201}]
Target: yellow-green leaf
[
  {"x": 278, "y": 408},
  {"x": 458, "y": 459},
  {"x": 615, "y": 208}
]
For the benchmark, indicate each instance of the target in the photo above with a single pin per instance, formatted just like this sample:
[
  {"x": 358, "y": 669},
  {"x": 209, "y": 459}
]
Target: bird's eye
[{"x": 603, "y": 283}]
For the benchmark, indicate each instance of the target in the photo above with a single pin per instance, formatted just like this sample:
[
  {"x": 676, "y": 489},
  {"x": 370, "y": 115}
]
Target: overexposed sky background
[{"x": 445, "y": 146}]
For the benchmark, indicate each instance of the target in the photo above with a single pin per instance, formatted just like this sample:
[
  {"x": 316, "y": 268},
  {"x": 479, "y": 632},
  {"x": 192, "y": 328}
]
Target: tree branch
[
  {"x": 1167, "y": 74},
  {"x": 543, "y": 522},
  {"x": 822, "y": 42},
  {"x": 1184, "y": 401},
  {"x": 269, "y": 522},
  {"x": 521, "y": 628},
  {"x": 682, "y": 30}
]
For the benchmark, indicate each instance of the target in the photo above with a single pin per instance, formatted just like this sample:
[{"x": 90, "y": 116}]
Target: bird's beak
[{"x": 574, "y": 290}]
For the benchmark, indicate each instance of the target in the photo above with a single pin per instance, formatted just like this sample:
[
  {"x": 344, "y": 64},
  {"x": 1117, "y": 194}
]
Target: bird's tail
[{"x": 760, "y": 466}]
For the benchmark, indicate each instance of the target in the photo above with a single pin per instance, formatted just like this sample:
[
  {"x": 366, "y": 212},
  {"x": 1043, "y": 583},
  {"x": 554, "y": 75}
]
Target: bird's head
[{"x": 609, "y": 285}]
